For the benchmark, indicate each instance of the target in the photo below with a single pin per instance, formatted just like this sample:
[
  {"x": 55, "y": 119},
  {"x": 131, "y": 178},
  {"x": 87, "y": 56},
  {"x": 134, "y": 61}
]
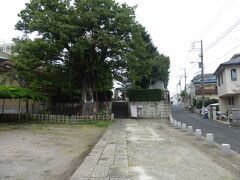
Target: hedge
[{"x": 146, "y": 95}]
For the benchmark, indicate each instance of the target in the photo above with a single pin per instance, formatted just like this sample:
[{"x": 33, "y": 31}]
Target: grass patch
[
  {"x": 35, "y": 126},
  {"x": 103, "y": 124}
]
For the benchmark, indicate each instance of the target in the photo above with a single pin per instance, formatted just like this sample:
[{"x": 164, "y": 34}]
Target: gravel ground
[
  {"x": 44, "y": 151},
  {"x": 157, "y": 151}
]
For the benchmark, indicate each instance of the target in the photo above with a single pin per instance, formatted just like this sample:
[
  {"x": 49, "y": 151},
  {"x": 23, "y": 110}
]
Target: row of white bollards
[{"x": 226, "y": 148}]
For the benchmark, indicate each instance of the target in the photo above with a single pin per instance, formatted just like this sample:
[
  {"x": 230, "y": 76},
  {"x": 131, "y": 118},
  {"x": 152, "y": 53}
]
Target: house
[
  {"x": 228, "y": 78},
  {"x": 6, "y": 47},
  {"x": 210, "y": 87}
]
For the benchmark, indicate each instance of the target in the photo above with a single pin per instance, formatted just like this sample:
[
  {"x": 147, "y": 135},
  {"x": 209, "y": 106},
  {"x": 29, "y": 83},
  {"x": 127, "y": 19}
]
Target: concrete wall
[
  {"x": 12, "y": 106},
  {"x": 153, "y": 109},
  {"x": 223, "y": 104}
]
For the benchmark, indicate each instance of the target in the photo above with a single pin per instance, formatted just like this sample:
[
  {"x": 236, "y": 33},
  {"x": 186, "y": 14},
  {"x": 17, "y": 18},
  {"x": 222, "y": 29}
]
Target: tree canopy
[
  {"x": 83, "y": 44},
  {"x": 12, "y": 92}
]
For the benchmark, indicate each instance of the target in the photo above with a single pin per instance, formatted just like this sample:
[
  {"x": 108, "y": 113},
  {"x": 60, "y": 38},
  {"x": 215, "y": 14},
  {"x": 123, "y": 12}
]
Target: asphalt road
[{"x": 222, "y": 132}]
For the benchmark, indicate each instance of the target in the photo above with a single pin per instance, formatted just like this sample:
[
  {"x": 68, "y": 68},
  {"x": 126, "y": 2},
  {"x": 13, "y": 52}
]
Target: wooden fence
[
  {"x": 49, "y": 118},
  {"x": 63, "y": 119}
]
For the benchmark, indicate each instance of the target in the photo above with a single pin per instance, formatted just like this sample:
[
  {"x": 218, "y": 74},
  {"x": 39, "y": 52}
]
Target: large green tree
[{"x": 81, "y": 44}]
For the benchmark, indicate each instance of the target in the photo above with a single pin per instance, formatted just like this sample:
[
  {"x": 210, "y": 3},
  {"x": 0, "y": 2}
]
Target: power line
[
  {"x": 218, "y": 16},
  {"x": 223, "y": 55},
  {"x": 187, "y": 56},
  {"x": 223, "y": 35},
  {"x": 191, "y": 69}
]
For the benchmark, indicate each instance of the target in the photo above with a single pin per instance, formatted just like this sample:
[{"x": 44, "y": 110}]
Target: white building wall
[
  {"x": 158, "y": 85},
  {"x": 229, "y": 86},
  {"x": 223, "y": 104}
]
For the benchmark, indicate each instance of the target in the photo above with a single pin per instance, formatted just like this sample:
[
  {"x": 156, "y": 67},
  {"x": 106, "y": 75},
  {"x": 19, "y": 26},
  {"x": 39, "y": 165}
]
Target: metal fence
[{"x": 14, "y": 118}]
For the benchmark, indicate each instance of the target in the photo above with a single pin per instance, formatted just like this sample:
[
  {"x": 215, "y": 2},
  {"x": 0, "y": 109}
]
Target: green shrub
[
  {"x": 146, "y": 95},
  {"x": 198, "y": 103}
]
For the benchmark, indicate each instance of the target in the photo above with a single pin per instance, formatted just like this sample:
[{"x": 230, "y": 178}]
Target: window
[
  {"x": 221, "y": 78},
  {"x": 231, "y": 100},
  {"x": 233, "y": 74},
  {"x": 219, "y": 83}
]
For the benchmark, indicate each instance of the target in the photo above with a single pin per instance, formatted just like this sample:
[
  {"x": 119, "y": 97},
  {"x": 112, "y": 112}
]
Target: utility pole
[
  {"x": 185, "y": 77},
  {"x": 180, "y": 85},
  {"x": 201, "y": 65},
  {"x": 202, "y": 73}
]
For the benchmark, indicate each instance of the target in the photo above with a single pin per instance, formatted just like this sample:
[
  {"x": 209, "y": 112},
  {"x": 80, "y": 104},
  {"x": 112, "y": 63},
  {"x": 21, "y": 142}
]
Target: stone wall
[{"x": 153, "y": 109}]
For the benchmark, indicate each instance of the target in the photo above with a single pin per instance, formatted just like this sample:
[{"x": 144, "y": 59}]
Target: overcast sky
[{"x": 173, "y": 26}]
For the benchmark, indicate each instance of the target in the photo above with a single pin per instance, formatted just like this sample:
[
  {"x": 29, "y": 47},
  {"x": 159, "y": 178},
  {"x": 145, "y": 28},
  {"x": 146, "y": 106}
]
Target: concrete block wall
[{"x": 153, "y": 109}]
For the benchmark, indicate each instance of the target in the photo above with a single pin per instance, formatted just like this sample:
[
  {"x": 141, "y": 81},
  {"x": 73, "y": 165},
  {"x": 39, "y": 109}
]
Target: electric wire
[
  {"x": 191, "y": 68},
  {"x": 218, "y": 16},
  {"x": 223, "y": 35},
  {"x": 223, "y": 55}
]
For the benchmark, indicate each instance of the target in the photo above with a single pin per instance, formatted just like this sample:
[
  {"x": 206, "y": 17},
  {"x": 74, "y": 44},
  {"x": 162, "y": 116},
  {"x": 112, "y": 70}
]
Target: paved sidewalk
[
  {"x": 108, "y": 159},
  {"x": 150, "y": 149}
]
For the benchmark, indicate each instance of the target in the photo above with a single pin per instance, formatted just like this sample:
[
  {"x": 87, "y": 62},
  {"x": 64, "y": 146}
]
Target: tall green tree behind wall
[{"x": 81, "y": 44}]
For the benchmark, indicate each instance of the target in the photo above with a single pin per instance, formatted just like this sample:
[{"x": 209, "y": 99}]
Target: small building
[
  {"x": 12, "y": 105},
  {"x": 6, "y": 47},
  {"x": 228, "y": 78},
  {"x": 210, "y": 87},
  {"x": 159, "y": 84}
]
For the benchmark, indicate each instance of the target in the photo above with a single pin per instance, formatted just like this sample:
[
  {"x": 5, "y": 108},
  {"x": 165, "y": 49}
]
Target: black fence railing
[{"x": 15, "y": 118}]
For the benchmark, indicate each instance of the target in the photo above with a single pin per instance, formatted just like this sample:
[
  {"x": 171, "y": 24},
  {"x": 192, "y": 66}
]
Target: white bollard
[
  {"x": 175, "y": 123},
  {"x": 198, "y": 133},
  {"x": 226, "y": 149},
  {"x": 171, "y": 119},
  {"x": 190, "y": 129},
  {"x": 210, "y": 138},
  {"x": 184, "y": 126},
  {"x": 179, "y": 124}
]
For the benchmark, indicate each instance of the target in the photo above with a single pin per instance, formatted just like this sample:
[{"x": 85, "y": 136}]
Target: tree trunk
[
  {"x": 87, "y": 105},
  {"x": 107, "y": 103},
  {"x": 83, "y": 99},
  {"x": 97, "y": 103}
]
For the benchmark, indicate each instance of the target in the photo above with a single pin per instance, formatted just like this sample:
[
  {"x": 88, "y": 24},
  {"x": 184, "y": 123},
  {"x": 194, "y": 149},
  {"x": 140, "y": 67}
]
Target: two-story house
[
  {"x": 210, "y": 87},
  {"x": 228, "y": 78}
]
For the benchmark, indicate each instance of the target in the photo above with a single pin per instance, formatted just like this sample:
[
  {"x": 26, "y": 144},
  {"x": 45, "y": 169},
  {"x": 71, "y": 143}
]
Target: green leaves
[
  {"x": 146, "y": 95},
  {"x": 81, "y": 44},
  {"x": 12, "y": 92}
]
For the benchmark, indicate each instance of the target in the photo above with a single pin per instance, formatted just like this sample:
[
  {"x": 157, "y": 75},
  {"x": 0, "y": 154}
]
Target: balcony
[{"x": 206, "y": 91}]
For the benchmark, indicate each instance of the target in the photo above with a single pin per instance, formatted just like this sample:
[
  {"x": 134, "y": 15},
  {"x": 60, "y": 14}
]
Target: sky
[{"x": 173, "y": 25}]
